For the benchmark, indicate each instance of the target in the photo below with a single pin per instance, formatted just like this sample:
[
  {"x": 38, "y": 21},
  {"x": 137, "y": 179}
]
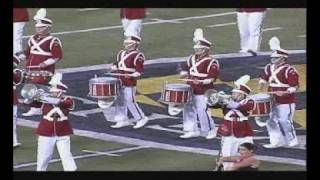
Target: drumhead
[
  {"x": 261, "y": 96},
  {"x": 106, "y": 80},
  {"x": 177, "y": 87}
]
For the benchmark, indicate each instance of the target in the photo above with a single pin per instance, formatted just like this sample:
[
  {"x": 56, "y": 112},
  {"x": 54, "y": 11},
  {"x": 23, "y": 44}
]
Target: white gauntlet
[
  {"x": 207, "y": 81},
  {"x": 135, "y": 74},
  {"x": 114, "y": 67},
  {"x": 292, "y": 89},
  {"x": 233, "y": 105},
  {"x": 50, "y": 61}
]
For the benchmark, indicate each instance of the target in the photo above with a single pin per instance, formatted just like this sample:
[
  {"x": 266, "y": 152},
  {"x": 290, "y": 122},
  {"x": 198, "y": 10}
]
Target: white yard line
[
  {"x": 88, "y": 9},
  {"x": 151, "y": 144},
  {"x": 302, "y": 36},
  {"x": 168, "y": 60},
  {"x": 166, "y": 21},
  {"x": 92, "y": 154},
  {"x": 271, "y": 29},
  {"x": 224, "y": 24},
  {"x": 146, "y": 23}
]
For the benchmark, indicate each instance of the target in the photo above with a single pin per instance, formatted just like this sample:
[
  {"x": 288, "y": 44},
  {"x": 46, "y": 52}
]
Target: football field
[{"x": 91, "y": 39}]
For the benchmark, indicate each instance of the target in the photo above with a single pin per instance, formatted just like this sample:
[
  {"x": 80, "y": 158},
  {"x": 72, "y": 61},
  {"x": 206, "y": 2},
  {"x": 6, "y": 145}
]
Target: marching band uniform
[
  {"x": 42, "y": 50},
  {"x": 250, "y": 21},
  {"x": 55, "y": 129},
  {"x": 130, "y": 63},
  {"x": 235, "y": 128},
  {"x": 281, "y": 77},
  {"x": 205, "y": 69},
  {"x": 132, "y": 18},
  {"x": 20, "y": 18},
  {"x": 17, "y": 79}
]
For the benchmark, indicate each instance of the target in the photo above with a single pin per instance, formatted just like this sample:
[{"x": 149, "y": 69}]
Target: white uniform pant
[
  {"x": 250, "y": 28},
  {"x": 132, "y": 25},
  {"x": 15, "y": 136},
  {"x": 196, "y": 112},
  {"x": 280, "y": 125},
  {"x": 230, "y": 146},
  {"x": 18, "y": 28},
  {"x": 45, "y": 151},
  {"x": 125, "y": 102}
]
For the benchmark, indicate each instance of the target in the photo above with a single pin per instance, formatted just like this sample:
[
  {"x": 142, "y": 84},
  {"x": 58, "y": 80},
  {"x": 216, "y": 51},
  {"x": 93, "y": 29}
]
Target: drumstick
[
  {"x": 32, "y": 66},
  {"x": 117, "y": 74},
  {"x": 275, "y": 92},
  {"x": 192, "y": 80}
]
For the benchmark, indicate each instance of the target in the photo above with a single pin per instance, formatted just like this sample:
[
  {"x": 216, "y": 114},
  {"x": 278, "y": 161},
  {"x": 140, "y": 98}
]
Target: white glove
[
  {"x": 292, "y": 89},
  {"x": 22, "y": 57},
  {"x": 183, "y": 73},
  {"x": 206, "y": 81},
  {"x": 114, "y": 68},
  {"x": 233, "y": 105},
  {"x": 135, "y": 74},
  {"x": 50, "y": 61},
  {"x": 27, "y": 101},
  {"x": 262, "y": 81}
]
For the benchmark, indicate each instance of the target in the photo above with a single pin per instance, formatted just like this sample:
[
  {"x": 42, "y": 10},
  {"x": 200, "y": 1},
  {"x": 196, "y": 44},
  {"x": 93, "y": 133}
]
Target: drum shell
[
  {"x": 262, "y": 106},
  {"x": 103, "y": 87},
  {"x": 38, "y": 77},
  {"x": 175, "y": 94}
]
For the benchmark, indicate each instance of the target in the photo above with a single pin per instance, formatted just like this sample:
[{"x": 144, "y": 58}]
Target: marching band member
[
  {"x": 17, "y": 79},
  {"x": 43, "y": 51},
  {"x": 283, "y": 80},
  {"x": 20, "y": 18},
  {"x": 235, "y": 128},
  {"x": 54, "y": 128},
  {"x": 130, "y": 64},
  {"x": 203, "y": 70}
]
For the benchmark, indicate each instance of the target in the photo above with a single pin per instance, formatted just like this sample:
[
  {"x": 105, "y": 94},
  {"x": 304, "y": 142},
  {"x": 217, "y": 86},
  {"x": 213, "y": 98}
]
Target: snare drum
[
  {"x": 176, "y": 94},
  {"x": 103, "y": 87},
  {"x": 262, "y": 105},
  {"x": 39, "y": 77}
]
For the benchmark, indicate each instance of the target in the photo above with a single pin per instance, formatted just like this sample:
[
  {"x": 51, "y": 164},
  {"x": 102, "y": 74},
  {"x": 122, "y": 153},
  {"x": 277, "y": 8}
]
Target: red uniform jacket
[
  {"x": 251, "y": 9},
  {"x": 235, "y": 122},
  {"x": 55, "y": 119},
  {"x": 132, "y": 13},
  {"x": 128, "y": 63},
  {"x": 280, "y": 79},
  {"x": 200, "y": 69},
  {"x": 20, "y": 15},
  {"x": 39, "y": 49}
]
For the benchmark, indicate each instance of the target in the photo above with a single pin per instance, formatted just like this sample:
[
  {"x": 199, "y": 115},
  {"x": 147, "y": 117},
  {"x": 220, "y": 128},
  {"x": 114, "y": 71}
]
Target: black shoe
[{"x": 252, "y": 52}]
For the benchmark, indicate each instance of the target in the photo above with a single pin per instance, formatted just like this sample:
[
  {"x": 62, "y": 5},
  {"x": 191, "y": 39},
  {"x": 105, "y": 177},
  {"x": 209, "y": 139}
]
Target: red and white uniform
[
  {"x": 250, "y": 21},
  {"x": 55, "y": 129},
  {"x": 282, "y": 78},
  {"x": 196, "y": 110},
  {"x": 39, "y": 49},
  {"x": 235, "y": 128},
  {"x": 131, "y": 19},
  {"x": 128, "y": 63},
  {"x": 20, "y": 17}
]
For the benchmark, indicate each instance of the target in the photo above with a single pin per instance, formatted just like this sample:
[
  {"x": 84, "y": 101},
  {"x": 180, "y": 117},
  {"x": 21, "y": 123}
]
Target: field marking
[
  {"x": 106, "y": 153},
  {"x": 271, "y": 29},
  {"x": 170, "y": 60},
  {"x": 146, "y": 23},
  {"x": 302, "y": 36},
  {"x": 166, "y": 21},
  {"x": 224, "y": 24},
  {"x": 88, "y": 9},
  {"x": 101, "y": 153},
  {"x": 152, "y": 144}
]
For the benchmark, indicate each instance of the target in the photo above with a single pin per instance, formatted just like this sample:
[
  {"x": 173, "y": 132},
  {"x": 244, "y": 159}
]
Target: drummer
[
  {"x": 202, "y": 70},
  {"x": 130, "y": 64},
  {"x": 43, "y": 51}
]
